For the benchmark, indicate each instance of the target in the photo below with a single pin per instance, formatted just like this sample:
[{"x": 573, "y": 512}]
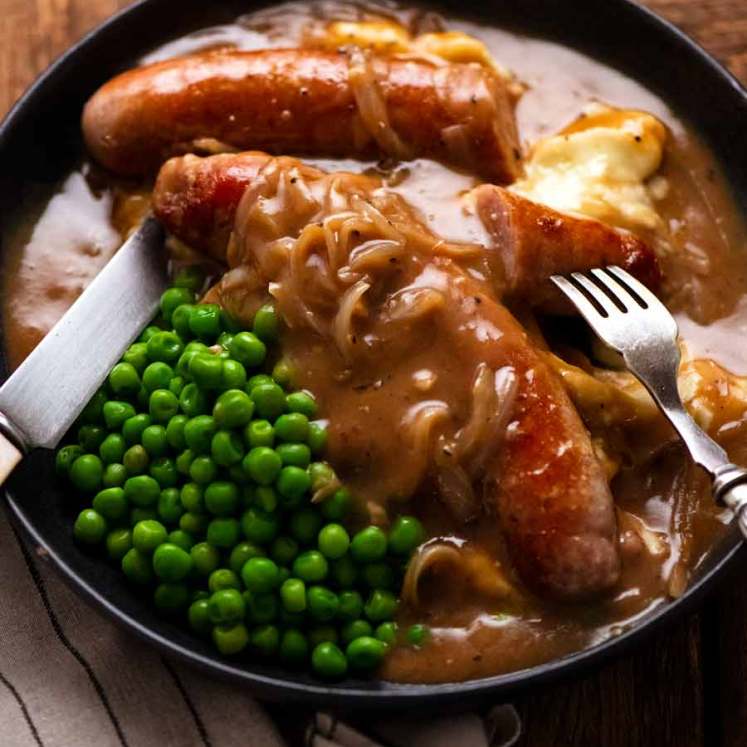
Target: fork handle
[{"x": 730, "y": 488}]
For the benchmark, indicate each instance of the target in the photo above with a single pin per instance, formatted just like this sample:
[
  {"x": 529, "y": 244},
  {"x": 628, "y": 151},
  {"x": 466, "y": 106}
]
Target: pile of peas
[{"x": 200, "y": 469}]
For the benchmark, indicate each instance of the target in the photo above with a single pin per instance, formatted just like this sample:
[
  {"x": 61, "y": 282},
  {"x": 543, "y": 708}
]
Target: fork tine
[
  {"x": 597, "y": 294},
  {"x": 626, "y": 281},
  {"x": 580, "y": 301}
]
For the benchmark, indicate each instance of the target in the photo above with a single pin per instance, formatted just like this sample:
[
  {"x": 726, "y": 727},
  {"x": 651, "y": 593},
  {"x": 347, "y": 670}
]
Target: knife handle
[{"x": 9, "y": 458}]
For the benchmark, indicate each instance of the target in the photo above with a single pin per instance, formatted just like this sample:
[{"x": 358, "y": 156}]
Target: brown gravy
[{"x": 55, "y": 251}]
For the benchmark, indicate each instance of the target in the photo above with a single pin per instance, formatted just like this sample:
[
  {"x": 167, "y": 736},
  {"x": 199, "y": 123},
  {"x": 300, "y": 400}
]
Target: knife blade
[{"x": 47, "y": 392}]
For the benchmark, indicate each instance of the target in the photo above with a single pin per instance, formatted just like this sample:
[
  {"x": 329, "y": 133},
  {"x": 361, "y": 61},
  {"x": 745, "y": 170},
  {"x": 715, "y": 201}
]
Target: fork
[{"x": 631, "y": 320}]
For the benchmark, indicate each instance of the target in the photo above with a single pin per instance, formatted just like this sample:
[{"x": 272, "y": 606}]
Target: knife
[{"x": 47, "y": 392}]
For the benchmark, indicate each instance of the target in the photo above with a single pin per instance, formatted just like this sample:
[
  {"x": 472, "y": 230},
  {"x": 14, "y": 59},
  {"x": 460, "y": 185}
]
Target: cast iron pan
[{"x": 40, "y": 142}]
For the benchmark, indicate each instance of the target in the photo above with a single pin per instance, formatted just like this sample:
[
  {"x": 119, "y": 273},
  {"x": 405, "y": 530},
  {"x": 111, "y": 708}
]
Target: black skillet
[{"x": 40, "y": 143}]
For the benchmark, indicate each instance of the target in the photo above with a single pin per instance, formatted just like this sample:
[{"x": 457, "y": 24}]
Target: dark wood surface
[{"x": 685, "y": 688}]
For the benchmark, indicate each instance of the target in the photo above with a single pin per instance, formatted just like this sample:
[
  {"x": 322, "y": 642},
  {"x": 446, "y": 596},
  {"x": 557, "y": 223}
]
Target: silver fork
[{"x": 632, "y": 321}]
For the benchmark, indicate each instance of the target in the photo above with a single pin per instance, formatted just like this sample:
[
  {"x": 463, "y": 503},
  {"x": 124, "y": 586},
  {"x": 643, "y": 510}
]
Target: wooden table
[{"x": 686, "y": 688}]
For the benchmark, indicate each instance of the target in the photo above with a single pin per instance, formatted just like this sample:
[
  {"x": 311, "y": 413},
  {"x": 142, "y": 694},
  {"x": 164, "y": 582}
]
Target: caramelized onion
[{"x": 343, "y": 323}]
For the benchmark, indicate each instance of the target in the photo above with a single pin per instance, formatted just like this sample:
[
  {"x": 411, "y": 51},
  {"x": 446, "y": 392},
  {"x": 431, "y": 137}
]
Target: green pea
[
  {"x": 294, "y": 648},
  {"x": 118, "y": 543},
  {"x": 190, "y": 277},
  {"x": 180, "y": 320},
  {"x": 124, "y": 380},
  {"x": 406, "y": 534},
  {"x": 174, "y": 297},
  {"x": 92, "y": 413},
  {"x": 115, "y": 413},
  {"x": 368, "y": 545},
  {"x": 355, "y": 629},
  {"x": 350, "y": 605},
  {"x": 266, "y": 324},
  {"x": 323, "y": 603},
  {"x": 283, "y": 373},
  {"x": 164, "y": 472},
  {"x": 337, "y": 505},
  {"x": 136, "y": 460},
  {"x": 233, "y": 409},
  {"x": 114, "y": 476},
  {"x": 137, "y": 356},
  {"x": 111, "y": 504},
  {"x": 269, "y": 400},
  {"x": 227, "y": 448},
  {"x": 148, "y": 535},
  {"x": 260, "y": 575},
  {"x": 65, "y": 458},
  {"x": 292, "y": 427},
  {"x": 137, "y": 567},
  {"x": 162, "y": 405},
  {"x": 233, "y": 375},
  {"x": 170, "y": 506},
  {"x": 262, "y": 464},
  {"x": 265, "y": 640},
  {"x": 205, "y": 321},
  {"x": 328, "y": 661},
  {"x": 90, "y": 437},
  {"x": 265, "y": 498},
  {"x": 182, "y": 538},
  {"x": 90, "y": 527},
  {"x": 203, "y": 470},
  {"x": 292, "y": 482},
  {"x": 175, "y": 432},
  {"x": 157, "y": 376},
  {"x": 302, "y": 403},
  {"x": 310, "y": 566},
  {"x": 221, "y": 498},
  {"x": 148, "y": 332},
  {"x": 284, "y": 550},
  {"x": 380, "y": 605},
  {"x": 387, "y": 632},
  {"x": 206, "y": 369},
  {"x": 142, "y": 490},
  {"x": 171, "y": 563},
  {"x": 205, "y": 558},
  {"x": 165, "y": 347},
  {"x": 294, "y": 455},
  {"x": 154, "y": 440},
  {"x": 259, "y": 433},
  {"x": 184, "y": 461},
  {"x": 317, "y": 439},
  {"x": 198, "y": 617},
  {"x": 256, "y": 380},
  {"x": 241, "y": 553},
  {"x": 112, "y": 448},
  {"x": 261, "y": 608},
  {"x": 176, "y": 385},
  {"x": 223, "y": 578},
  {"x": 192, "y": 497},
  {"x": 193, "y": 401},
  {"x": 223, "y": 532},
  {"x": 226, "y": 606},
  {"x": 333, "y": 541},
  {"x": 86, "y": 473},
  {"x": 417, "y": 635},
  {"x": 259, "y": 526},
  {"x": 171, "y": 598},
  {"x": 293, "y": 595},
  {"x": 199, "y": 432},
  {"x": 194, "y": 523},
  {"x": 365, "y": 653},
  {"x": 304, "y": 525},
  {"x": 132, "y": 428},
  {"x": 344, "y": 572},
  {"x": 230, "y": 639},
  {"x": 248, "y": 349}
]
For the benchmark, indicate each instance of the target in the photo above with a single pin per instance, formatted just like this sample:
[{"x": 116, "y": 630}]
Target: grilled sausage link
[{"x": 305, "y": 101}]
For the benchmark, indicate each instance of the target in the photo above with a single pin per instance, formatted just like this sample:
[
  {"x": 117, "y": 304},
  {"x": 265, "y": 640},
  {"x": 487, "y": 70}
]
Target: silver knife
[{"x": 47, "y": 392}]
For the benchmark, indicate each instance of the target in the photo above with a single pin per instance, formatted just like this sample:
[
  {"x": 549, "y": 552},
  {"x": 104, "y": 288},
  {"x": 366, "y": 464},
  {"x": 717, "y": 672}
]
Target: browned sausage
[
  {"x": 302, "y": 101},
  {"x": 553, "y": 499},
  {"x": 532, "y": 241}
]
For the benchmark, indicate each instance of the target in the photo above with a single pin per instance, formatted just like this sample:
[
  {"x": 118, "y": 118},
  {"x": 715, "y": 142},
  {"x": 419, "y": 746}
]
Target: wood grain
[{"x": 688, "y": 686}]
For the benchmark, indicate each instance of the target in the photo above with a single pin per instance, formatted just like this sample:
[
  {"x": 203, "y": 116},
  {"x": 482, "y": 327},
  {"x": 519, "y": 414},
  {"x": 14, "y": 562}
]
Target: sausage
[
  {"x": 303, "y": 101},
  {"x": 531, "y": 242},
  {"x": 553, "y": 501}
]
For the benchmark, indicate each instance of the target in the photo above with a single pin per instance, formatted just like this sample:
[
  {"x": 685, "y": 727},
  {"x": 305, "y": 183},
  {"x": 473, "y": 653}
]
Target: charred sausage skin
[{"x": 301, "y": 101}]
